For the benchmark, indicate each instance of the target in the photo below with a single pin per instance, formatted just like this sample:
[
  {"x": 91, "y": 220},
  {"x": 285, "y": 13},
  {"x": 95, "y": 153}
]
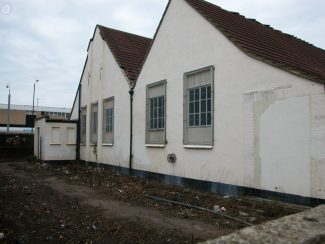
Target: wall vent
[{"x": 171, "y": 158}]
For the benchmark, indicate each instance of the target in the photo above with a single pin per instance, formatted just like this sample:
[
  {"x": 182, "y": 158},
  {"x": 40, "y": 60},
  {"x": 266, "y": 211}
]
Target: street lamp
[
  {"x": 8, "y": 111},
  {"x": 34, "y": 96},
  {"x": 34, "y": 101},
  {"x": 33, "y": 111}
]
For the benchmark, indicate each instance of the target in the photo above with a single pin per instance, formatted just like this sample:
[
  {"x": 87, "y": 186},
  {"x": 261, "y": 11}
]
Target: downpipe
[
  {"x": 78, "y": 125},
  {"x": 131, "y": 92}
]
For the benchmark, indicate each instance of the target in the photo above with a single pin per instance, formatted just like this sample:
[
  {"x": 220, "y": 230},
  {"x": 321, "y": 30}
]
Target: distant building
[{"x": 21, "y": 115}]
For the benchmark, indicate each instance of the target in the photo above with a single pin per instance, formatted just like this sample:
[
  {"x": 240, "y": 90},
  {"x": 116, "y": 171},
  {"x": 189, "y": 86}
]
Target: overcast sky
[{"x": 47, "y": 40}]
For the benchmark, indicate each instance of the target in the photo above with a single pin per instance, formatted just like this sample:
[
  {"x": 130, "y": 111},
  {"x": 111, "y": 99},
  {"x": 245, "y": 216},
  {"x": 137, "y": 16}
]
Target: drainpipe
[
  {"x": 131, "y": 92},
  {"x": 78, "y": 125}
]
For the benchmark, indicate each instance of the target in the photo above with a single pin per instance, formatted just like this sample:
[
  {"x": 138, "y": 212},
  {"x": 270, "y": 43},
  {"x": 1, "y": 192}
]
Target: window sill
[
  {"x": 107, "y": 144},
  {"x": 156, "y": 130},
  {"x": 155, "y": 145},
  {"x": 55, "y": 144},
  {"x": 197, "y": 146}
]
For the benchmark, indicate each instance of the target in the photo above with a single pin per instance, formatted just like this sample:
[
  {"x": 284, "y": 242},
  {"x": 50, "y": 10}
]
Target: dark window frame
[
  {"x": 194, "y": 80},
  {"x": 150, "y": 128},
  {"x": 157, "y": 113},
  {"x": 201, "y": 115},
  {"x": 83, "y": 125},
  {"x": 94, "y": 123}
]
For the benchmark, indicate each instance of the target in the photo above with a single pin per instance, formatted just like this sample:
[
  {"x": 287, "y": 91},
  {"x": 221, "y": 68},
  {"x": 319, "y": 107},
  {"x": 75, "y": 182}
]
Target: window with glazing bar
[
  {"x": 83, "y": 124},
  {"x": 156, "y": 113},
  {"x": 198, "y": 107},
  {"x": 108, "y": 121},
  {"x": 94, "y": 123}
]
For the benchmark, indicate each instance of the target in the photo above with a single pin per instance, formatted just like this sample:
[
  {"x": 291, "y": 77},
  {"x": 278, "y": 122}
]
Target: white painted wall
[
  {"x": 63, "y": 149},
  {"x": 112, "y": 82},
  {"x": 186, "y": 42},
  {"x": 284, "y": 145}
]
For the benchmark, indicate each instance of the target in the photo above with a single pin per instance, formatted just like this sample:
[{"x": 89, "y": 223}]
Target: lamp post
[
  {"x": 8, "y": 111},
  {"x": 33, "y": 103}
]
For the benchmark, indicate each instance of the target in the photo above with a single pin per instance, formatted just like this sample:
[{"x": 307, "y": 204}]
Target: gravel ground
[{"x": 33, "y": 211}]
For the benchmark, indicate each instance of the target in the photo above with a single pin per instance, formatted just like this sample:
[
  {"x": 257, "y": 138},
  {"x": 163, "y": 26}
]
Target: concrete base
[{"x": 306, "y": 227}]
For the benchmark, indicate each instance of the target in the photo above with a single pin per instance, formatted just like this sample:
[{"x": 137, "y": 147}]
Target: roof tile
[
  {"x": 129, "y": 50},
  {"x": 265, "y": 43}
]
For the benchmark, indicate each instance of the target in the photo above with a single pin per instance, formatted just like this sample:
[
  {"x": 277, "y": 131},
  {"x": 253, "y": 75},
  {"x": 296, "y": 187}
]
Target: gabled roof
[
  {"x": 265, "y": 43},
  {"x": 129, "y": 50}
]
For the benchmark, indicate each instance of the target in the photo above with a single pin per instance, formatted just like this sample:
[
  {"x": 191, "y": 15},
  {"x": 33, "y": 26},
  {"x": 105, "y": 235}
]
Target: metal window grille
[
  {"x": 94, "y": 123},
  {"x": 198, "y": 107},
  {"x": 199, "y": 100},
  {"x": 83, "y": 125},
  {"x": 156, "y": 113},
  {"x": 108, "y": 121}
]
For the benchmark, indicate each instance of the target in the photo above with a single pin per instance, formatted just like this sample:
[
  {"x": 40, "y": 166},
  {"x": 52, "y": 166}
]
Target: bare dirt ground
[{"x": 81, "y": 204}]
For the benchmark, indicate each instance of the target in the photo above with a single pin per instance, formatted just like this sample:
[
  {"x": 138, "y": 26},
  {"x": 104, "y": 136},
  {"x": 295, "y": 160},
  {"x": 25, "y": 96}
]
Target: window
[
  {"x": 55, "y": 135},
  {"x": 156, "y": 113},
  {"x": 198, "y": 107},
  {"x": 71, "y": 136},
  {"x": 83, "y": 124},
  {"x": 94, "y": 123},
  {"x": 108, "y": 121}
]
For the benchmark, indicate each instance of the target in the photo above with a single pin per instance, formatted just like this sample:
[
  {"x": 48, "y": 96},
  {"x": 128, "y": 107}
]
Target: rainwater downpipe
[
  {"x": 131, "y": 92},
  {"x": 78, "y": 125}
]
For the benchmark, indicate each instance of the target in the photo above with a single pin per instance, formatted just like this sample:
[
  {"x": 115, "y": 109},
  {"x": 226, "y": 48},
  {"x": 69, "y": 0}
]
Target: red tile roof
[
  {"x": 129, "y": 50},
  {"x": 265, "y": 43}
]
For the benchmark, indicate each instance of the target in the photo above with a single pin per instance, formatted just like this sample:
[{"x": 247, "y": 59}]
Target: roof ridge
[{"x": 128, "y": 33}]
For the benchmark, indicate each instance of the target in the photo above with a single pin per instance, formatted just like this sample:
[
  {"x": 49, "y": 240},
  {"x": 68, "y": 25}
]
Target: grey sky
[{"x": 47, "y": 40}]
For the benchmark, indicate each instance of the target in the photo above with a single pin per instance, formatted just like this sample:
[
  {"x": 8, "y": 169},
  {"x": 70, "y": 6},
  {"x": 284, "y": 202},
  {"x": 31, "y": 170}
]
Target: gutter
[
  {"x": 78, "y": 125},
  {"x": 131, "y": 92}
]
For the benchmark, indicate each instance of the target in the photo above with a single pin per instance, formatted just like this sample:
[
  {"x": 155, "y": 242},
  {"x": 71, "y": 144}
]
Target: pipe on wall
[
  {"x": 78, "y": 125},
  {"x": 131, "y": 92}
]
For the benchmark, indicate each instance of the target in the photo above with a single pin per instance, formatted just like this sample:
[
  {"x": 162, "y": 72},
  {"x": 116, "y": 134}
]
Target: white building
[
  {"x": 244, "y": 104},
  {"x": 55, "y": 139},
  {"x": 221, "y": 101},
  {"x": 112, "y": 66}
]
